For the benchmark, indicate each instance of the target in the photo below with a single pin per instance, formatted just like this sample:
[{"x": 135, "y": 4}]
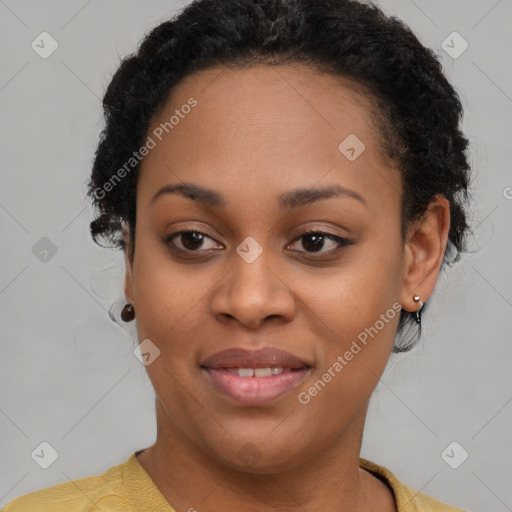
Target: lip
[
  {"x": 261, "y": 358},
  {"x": 254, "y": 390}
]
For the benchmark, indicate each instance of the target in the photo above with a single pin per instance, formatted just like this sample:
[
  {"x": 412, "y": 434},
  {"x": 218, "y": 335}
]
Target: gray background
[{"x": 68, "y": 374}]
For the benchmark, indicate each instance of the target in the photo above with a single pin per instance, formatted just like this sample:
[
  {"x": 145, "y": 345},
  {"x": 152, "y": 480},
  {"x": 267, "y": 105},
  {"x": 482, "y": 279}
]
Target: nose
[{"x": 253, "y": 293}]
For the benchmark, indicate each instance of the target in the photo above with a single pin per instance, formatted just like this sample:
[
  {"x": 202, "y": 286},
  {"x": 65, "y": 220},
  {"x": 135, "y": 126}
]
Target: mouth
[{"x": 254, "y": 377}]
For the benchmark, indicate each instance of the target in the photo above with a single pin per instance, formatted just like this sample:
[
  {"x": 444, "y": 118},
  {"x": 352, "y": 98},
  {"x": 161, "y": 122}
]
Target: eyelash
[{"x": 342, "y": 242}]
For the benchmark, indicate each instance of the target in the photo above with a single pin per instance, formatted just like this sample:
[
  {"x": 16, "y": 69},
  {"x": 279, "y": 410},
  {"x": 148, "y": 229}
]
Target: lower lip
[{"x": 255, "y": 390}]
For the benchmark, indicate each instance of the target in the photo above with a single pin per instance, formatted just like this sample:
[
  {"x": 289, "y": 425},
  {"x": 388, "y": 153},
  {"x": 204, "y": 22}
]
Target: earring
[
  {"x": 416, "y": 298},
  {"x": 128, "y": 313}
]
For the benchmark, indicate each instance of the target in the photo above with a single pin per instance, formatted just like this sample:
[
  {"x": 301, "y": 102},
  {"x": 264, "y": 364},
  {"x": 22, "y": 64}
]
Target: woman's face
[{"x": 267, "y": 144}]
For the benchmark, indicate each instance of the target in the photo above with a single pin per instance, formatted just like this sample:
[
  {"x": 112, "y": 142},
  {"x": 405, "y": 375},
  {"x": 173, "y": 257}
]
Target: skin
[{"x": 257, "y": 133}]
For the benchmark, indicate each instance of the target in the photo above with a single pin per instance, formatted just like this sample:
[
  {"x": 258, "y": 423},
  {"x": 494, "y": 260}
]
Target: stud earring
[
  {"x": 417, "y": 299},
  {"x": 128, "y": 313}
]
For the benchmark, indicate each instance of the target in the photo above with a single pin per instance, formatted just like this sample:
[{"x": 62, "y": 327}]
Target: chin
[{"x": 260, "y": 457}]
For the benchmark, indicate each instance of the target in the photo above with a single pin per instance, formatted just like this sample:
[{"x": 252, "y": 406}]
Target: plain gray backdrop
[{"x": 68, "y": 374}]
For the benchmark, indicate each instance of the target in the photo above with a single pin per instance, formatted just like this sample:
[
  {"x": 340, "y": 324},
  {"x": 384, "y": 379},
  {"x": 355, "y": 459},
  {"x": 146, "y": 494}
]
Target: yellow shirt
[{"x": 128, "y": 488}]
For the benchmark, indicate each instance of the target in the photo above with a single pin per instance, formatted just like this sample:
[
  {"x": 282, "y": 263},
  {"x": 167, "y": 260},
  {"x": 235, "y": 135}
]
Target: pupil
[
  {"x": 317, "y": 242},
  {"x": 195, "y": 238}
]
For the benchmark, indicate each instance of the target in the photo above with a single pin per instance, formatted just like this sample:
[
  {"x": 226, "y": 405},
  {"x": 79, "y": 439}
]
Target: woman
[{"x": 286, "y": 179}]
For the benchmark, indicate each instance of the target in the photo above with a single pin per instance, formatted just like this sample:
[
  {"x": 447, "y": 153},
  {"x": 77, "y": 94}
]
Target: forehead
[{"x": 265, "y": 127}]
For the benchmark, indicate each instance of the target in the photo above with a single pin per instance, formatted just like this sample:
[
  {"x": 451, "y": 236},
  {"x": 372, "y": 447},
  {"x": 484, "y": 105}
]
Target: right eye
[{"x": 187, "y": 240}]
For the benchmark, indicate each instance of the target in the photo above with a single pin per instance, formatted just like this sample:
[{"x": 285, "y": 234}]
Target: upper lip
[{"x": 266, "y": 357}]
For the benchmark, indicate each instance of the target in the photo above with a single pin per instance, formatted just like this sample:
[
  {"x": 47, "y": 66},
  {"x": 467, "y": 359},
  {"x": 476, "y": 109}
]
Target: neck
[{"x": 190, "y": 479}]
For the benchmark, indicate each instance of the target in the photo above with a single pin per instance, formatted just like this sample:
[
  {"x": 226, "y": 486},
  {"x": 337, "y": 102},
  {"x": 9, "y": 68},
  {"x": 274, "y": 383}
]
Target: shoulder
[
  {"x": 407, "y": 499},
  {"x": 104, "y": 492}
]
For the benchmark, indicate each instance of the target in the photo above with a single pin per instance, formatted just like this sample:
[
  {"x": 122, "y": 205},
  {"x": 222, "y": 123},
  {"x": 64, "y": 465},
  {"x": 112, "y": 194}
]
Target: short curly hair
[{"x": 418, "y": 112}]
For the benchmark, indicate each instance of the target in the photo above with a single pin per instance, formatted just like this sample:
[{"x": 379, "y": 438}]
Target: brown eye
[
  {"x": 190, "y": 241},
  {"x": 315, "y": 241}
]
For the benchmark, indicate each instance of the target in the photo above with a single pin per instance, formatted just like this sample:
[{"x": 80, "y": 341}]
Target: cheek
[
  {"x": 354, "y": 297},
  {"x": 355, "y": 313},
  {"x": 169, "y": 300},
  {"x": 355, "y": 336}
]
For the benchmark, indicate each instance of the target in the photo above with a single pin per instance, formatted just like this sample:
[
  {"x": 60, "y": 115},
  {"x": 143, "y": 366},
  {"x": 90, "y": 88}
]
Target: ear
[
  {"x": 128, "y": 258},
  {"x": 424, "y": 252}
]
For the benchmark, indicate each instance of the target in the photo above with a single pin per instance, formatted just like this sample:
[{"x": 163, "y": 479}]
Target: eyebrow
[{"x": 292, "y": 199}]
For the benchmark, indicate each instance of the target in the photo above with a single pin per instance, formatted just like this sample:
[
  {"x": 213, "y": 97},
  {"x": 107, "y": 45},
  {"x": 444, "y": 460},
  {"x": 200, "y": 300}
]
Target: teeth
[
  {"x": 259, "y": 372},
  {"x": 262, "y": 372}
]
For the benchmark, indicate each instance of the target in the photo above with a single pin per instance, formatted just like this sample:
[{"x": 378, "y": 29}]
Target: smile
[
  {"x": 258, "y": 372},
  {"x": 255, "y": 386},
  {"x": 254, "y": 377}
]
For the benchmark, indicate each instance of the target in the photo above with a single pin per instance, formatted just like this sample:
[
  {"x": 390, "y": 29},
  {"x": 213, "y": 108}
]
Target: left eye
[{"x": 314, "y": 241}]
